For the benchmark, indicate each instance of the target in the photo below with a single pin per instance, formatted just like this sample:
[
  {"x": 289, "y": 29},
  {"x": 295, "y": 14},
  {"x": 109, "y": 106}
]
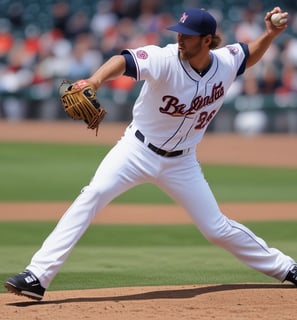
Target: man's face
[{"x": 189, "y": 46}]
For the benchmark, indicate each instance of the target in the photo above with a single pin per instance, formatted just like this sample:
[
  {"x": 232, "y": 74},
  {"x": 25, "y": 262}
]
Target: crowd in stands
[{"x": 44, "y": 42}]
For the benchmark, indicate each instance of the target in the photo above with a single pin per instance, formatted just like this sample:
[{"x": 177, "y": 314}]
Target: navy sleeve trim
[
  {"x": 131, "y": 70},
  {"x": 247, "y": 53}
]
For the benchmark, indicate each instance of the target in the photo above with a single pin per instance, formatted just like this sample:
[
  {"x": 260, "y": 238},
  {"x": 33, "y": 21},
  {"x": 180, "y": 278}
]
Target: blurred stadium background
[{"x": 45, "y": 41}]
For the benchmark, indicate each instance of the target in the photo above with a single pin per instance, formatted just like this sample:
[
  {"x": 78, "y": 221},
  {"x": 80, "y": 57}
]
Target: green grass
[
  {"x": 57, "y": 172},
  {"x": 139, "y": 255},
  {"x": 113, "y": 256},
  {"x": 242, "y": 183}
]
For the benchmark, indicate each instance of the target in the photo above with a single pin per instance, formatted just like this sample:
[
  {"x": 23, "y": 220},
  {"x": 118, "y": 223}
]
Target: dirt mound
[{"x": 220, "y": 302}]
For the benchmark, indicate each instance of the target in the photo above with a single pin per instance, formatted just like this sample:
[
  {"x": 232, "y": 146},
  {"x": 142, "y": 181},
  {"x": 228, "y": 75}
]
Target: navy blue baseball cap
[{"x": 195, "y": 22}]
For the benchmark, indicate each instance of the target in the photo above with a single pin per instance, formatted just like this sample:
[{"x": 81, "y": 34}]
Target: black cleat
[
  {"x": 292, "y": 275},
  {"x": 25, "y": 284}
]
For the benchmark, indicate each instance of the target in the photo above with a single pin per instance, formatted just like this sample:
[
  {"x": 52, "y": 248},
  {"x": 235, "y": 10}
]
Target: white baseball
[{"x": 277, "y": 19}]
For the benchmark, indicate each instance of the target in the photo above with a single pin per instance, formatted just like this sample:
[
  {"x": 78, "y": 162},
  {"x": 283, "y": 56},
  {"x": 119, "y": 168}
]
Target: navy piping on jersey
[
  {"x": 246, "y": 51},
  {"x": 131, "y": 70},
  {"x": 204, "y": 72}
]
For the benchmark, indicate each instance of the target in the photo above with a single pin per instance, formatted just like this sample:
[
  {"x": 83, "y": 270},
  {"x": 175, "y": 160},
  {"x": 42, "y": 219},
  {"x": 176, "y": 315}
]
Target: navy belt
[{"x": 157, "y": 150}]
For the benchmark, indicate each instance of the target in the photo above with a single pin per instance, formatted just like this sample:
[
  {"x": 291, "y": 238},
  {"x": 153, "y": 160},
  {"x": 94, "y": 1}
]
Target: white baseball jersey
[{"x": 183, "y": 104}]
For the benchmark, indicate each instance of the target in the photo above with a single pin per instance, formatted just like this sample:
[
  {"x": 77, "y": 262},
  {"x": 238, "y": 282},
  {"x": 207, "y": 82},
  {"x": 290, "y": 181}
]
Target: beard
[
  {"x": 189, "y": 53},
  {"x": 184, "y": 55}
]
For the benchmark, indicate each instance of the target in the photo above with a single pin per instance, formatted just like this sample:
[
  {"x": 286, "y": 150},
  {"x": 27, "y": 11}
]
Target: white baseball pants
[{"x": 130, "y": 163}]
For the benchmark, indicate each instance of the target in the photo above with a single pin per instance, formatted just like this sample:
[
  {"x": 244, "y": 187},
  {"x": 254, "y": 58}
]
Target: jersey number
[{"x": 204, "y": 119}]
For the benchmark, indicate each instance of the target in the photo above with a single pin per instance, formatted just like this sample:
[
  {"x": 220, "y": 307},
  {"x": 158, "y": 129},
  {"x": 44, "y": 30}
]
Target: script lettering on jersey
[{"x": 174, "y": 108}]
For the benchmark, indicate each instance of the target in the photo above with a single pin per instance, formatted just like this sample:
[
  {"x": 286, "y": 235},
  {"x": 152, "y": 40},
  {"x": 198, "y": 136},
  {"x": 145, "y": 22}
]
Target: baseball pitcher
[{"x": 185, "y": 84}]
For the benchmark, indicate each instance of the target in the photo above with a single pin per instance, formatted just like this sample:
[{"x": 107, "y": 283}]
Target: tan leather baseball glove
[{"x": 80, "y": 103}]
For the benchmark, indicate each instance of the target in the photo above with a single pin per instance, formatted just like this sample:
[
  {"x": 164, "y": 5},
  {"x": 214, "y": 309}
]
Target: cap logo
[{"x": 183, "y": 18}]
